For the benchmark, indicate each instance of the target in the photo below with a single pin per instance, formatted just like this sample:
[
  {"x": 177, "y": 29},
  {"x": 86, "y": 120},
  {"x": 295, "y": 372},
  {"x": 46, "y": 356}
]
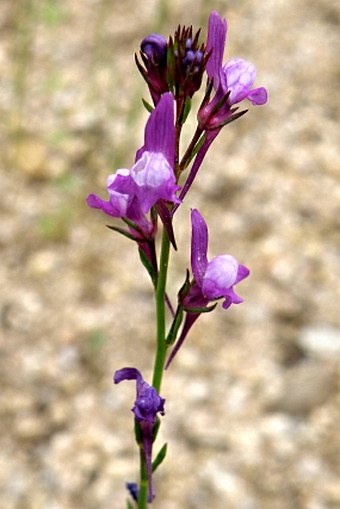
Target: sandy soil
[{"x": 253, "y": 401}]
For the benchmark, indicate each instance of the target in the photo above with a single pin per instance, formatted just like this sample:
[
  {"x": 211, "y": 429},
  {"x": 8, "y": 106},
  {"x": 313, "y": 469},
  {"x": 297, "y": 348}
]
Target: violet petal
[
  {"x": 242, "y": 273},
  {"x": 160, "y": 129},
  {"x": 199, "y": 246},
  {"x": 220, "y": 275},
  {"x": 127, "y": 374},
  {"x": 154, "y": 179},
  {"x": 217, "y": 32}
]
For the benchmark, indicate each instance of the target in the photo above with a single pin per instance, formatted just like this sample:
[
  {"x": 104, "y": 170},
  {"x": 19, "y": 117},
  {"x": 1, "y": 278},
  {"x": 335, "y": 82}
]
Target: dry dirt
[{"x": 253, "y": 402}]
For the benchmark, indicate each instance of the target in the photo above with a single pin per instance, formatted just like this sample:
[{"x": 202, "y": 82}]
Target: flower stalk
[
  {"x": 160, "y": 312},
  {"x": 146, "y": 196},
  {"x": 143, "y": 482}
]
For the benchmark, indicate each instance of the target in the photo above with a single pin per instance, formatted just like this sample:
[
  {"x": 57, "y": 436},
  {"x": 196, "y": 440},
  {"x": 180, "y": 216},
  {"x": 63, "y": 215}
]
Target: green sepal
[
  {"x": 132, "y": 225},
  {"x": 147, "y": 106},
  {"x": 186, "y": 111},
  {"x": 172, "y": 335},
  {"x": 170, "y": 63},
  {"x": 195, "y": 150},
  {"x": 122, "y": 232},
  {"x": 231, "y": 119},
  {"x": 156, "y": 428},
  {"x": 207, "y": 309},
  {"x": 160, "y": 457},
  {"x": 154, "y": 215},
  {"x": 147, "y": 264},
  {"x": 184, "y": 290},
  {"x": 138, "y": 433}
]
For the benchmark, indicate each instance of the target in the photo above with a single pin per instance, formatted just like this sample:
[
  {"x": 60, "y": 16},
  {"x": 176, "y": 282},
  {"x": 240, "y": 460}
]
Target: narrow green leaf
[
  {"x": 170, "y": 64},
  {"x": 208, "y": 309},
  {"x": 185, "y": 288},
  {"x": 187, "y": 108},
  {"x": 121, "y": 231},
  {"x": 156, "y": 428},
  {"x": 147, "y": 106},
  {"x": 232, "y": 118},
  {"x": 160, "y": 457},
  {"x": 147, "y": 264},
  {"x": 195, "y": 149},
  {"x": 171, "y": 337},
  {"x": 132, "y": 225}
]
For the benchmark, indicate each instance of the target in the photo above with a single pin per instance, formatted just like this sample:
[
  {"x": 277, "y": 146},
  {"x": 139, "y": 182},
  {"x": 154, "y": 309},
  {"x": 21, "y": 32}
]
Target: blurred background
[{"x": 253, "y": 403}]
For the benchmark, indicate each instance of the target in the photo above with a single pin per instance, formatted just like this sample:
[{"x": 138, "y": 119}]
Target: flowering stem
[
  {"x": 160, "y": 296},
  {"x": 160, "y": 312},
  {"x": 143, "y": 485}
]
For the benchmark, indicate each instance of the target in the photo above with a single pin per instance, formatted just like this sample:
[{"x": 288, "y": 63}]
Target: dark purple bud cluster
[
  {"x": 192, "y": 59},
  {"x": 186, "y": 62}
]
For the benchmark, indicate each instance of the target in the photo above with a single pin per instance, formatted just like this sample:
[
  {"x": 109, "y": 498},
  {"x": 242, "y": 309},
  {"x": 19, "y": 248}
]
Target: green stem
[
  {"x": 160, "y": 354},
  {"x": 160, "y": 312},
  {"x": 190, "y": 148},
  {"x": 143, "y": 485}
]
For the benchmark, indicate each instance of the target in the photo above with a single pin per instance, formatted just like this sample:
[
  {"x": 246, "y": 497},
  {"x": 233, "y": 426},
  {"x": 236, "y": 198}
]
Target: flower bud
[
  {"x": 153, "y": 52},
  {"x": 154, "y": 48}
]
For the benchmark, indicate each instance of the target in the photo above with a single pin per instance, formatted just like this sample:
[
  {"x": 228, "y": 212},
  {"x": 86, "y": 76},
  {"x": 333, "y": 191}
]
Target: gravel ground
[{"x": 253, "y": 401}]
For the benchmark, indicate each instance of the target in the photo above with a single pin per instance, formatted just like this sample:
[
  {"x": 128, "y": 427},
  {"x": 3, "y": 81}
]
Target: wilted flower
[{"x": 146, "y": 407}]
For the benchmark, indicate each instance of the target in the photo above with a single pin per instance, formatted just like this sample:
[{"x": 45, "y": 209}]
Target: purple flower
[
  {"x": 213, "y": 280},
  {"x": 146, "y": 407},
  {"x": 148, "y": 403},
  {"x": 133, "y": 192},
  {"x": 232, "y": 81},
  {"x": 237, "y": 76}
]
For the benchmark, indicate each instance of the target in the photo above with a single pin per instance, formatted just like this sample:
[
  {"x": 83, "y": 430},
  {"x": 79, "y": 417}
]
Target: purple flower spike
[{"x": 147, "y": 404}]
